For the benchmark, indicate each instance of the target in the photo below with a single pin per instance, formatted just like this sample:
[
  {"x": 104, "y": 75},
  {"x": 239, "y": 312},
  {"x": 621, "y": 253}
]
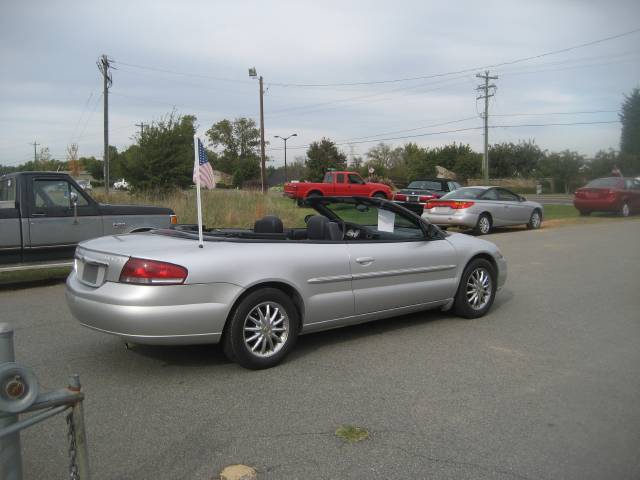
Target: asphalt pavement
[{"x": 546, "y": 386}]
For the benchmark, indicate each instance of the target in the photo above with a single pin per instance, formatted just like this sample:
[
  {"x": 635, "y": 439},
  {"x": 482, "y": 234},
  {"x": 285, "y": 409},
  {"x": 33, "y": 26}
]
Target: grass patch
[
  {"x": 552, "y": 212},
  {"x": 33, "y": 276},
  {"x": 220, "y": 208},
  {"x": 351, "y": 433}
]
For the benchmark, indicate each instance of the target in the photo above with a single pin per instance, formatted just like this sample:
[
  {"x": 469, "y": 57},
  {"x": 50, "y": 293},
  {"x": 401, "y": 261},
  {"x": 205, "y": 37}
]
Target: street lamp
[
  {"x": 286, "y": 178},
  {"x": 254, "y": 74}
]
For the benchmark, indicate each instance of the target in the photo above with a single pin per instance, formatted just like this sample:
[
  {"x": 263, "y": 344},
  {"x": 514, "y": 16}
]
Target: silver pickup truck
[{"x": 43, "y": 216}]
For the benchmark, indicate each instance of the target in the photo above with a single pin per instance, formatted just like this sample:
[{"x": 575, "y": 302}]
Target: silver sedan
[
  {"x": 255, "y": 290},
  {"x": 482, "y": 208}
]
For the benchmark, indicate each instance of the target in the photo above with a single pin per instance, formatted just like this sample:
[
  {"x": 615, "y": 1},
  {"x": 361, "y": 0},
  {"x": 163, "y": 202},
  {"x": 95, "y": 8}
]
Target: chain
[{"x": 71, "y": 437}]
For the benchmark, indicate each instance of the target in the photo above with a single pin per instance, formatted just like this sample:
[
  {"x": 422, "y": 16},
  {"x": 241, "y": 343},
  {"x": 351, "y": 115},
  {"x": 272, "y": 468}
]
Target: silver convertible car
[
  {"x": 482, "y": 208},
  {"x": 255, "y": 290}
]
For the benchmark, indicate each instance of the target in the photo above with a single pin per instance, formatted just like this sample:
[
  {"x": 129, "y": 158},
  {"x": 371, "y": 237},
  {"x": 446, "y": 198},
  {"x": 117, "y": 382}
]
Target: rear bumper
[
  {"x": 157, "y": 315},
  {"x": 457, "y": 219},
  {"x": 604, "y": 205}
]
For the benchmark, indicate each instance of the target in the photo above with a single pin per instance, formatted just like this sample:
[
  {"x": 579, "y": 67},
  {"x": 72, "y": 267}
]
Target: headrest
[
  {"x": 268, "y": 224},
  {"x": 317, "y": 227}
]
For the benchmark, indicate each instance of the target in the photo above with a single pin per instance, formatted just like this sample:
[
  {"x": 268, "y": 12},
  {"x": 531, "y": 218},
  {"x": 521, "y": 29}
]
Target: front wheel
[
  {"x": 483, "y": 226},
  {"x": 477, "y": 289},
  {"x": 262, "y": 329},
  {"x": 535, "y": 220},
  {"x": 625, "y": 211}
]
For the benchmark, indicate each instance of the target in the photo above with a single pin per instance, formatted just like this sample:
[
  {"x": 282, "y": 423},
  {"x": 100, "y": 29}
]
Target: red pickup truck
[{"x": 346, "y": 184}]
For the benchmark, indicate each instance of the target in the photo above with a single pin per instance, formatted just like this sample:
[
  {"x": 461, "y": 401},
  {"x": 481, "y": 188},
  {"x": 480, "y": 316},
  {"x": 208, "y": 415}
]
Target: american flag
[{"x": 203, "y": 169}]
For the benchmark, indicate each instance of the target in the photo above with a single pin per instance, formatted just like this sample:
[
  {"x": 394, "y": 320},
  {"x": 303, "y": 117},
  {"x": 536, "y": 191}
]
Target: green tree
[
  {"x": 237, "y": 145},
  {"x": 93, "y": 166},
  {"x": 630, "y": 118},
  {"x": 565, "y": 168},
  {"x": 384, "y": 159},
  {"x": 507, "y": 160},
  {"x": 321, "y": 156},
  {"x": 468, "y": 166},
  {"x": 166, "y": 155}
]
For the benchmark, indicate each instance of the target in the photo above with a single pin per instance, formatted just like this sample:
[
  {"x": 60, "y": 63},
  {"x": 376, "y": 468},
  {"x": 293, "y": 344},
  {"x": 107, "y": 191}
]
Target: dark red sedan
[{"x": 610, "y": 194}]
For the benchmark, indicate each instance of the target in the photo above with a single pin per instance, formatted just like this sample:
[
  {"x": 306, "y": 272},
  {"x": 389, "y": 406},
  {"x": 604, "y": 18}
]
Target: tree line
[{"x": 161, "y": 158}]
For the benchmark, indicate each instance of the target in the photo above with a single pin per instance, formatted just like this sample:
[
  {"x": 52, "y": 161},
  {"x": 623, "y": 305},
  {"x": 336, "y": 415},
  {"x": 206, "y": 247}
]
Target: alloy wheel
[
  {"x": 535, "y": 220},
  {"x": 485, "y": 225},
  {"x": 266, "y": 329},
  {"x": 478, "y": 288}
]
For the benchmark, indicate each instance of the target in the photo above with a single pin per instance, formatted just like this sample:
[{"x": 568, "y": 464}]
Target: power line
[
  {"x": 394, "y": 80},
  {"x": 404, "y": 137},
  {"x": 466, "y": 70},
  {"x": 184, "y": 74}
]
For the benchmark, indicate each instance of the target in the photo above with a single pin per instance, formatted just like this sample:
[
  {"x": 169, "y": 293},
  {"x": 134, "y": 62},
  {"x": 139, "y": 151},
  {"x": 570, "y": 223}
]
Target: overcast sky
[{"x": 51, "y": 90}]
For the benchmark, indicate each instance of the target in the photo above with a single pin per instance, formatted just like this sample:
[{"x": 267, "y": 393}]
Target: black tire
[
  {"x": 238, "y": 347},
  {"x": 585, "y": 213},
  {"x": 462, "y": 305},
  {"x": 380, "y": 195},
  {"x": 535, "y": 221},
  {"x": 314, "y": 194},
  {"x": 484, "y": 224},
  {"x": 625, "y": 211}
]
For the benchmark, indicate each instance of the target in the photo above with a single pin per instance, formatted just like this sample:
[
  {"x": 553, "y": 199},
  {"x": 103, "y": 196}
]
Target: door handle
[
  {"x": 365, "y": 260},
  {"x": 119, "y": 224},
  {"x": 38, "y": 214}
]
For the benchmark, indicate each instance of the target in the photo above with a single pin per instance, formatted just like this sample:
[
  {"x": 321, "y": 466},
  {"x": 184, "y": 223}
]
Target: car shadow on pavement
[
  {"x": 183, "y": 355},
  {"x": 212, "y": 355}
]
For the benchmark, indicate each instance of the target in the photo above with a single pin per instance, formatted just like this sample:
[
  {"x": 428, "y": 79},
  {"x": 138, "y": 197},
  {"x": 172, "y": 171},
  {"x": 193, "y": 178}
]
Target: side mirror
[
  {"x": 523, "y": 199},
  {"x": 74, "y": 202},
  {"x": 307, "y": 217}
]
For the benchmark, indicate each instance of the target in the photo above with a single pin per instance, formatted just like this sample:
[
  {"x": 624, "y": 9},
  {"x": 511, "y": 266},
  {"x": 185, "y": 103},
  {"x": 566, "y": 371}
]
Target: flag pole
[{"x": 196, "y": 168}]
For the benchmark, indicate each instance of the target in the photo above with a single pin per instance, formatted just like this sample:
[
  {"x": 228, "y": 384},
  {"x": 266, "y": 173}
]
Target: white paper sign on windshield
[{"x": 386, "y": 220}]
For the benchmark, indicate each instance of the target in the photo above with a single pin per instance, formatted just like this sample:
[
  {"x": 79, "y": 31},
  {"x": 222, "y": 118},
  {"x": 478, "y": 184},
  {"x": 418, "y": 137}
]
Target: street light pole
[{"x": 286, "y": 177}]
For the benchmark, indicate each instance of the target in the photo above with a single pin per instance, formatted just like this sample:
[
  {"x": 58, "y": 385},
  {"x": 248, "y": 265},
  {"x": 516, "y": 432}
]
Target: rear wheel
[
  {"x": 380, "y": 195},
  {"x": 535, "y": 220},
  {"x": 484, "y": 225},
  {"x": 314, "y": 194},
  {"x": 262, "y": 329},
  {"x": 477, "y": 289},
  {"x": 625, "y": 211}
]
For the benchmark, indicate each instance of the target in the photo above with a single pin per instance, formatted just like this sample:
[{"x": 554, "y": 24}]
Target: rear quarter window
[{"x": 8, "y": 193}]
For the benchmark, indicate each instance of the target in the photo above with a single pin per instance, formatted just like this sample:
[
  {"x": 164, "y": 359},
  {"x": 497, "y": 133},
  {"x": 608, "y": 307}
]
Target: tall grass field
[{"x": 220, "y": 208}]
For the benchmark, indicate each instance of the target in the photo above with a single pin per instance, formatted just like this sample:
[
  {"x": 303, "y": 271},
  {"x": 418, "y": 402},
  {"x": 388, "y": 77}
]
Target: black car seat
[
  {"x": 268, "y": 224},
  {"x": 321, "y": 228}
]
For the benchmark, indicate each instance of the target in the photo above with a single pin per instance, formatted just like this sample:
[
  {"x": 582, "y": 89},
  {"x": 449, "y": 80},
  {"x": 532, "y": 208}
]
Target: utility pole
[
  {"x": 141, "y": 125},
  {"x": 262, "y": 159},
  {"x": 35, "y": 154},
  {"x": 254, "y": 74},
  {"x": 104, "y": 64},
  {"x": 484, "y": 88}
]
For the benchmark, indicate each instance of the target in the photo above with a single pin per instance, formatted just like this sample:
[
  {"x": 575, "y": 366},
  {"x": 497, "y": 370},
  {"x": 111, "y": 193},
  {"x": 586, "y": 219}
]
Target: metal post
[
  {"x": 286, "y": 178},
  {"x": 10, "y": 454},
  {"x": 77, "y": 416},
  {"x": 262, "y": 158}
]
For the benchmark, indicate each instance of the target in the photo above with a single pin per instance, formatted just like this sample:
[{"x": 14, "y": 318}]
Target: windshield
[
  {"x": 425, "y": 185},
  {"x": 611, "y": 182},
  {"x": 368, "y": 221},
  {"x": 464, "y": 193}
]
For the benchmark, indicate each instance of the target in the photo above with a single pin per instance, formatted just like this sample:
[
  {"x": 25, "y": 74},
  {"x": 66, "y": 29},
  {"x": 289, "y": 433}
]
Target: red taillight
[
  {"x": 449, "y": 203},
  {"x": 401, "y": 196},
  {"x": 151, "y": 272},
  {"x": 426, "y": 198}
]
